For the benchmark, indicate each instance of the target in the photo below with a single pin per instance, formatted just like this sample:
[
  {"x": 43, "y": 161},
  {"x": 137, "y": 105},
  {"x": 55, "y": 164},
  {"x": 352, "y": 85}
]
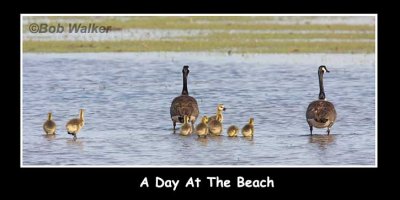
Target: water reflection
[
  {"x": 322, "y": 140},
  {"x": 202, "y": 140},
  {"x": 233, "y": 138},
  {"x": 50, "y": 137},
  {"x": 250, "y": 139},
  {"x": 216, "y": 138},
  {"x": 75, "y": 143}
]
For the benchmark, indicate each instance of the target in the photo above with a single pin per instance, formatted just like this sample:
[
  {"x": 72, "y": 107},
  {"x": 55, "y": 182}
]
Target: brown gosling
[
  {"x": 220, "y": 108},
  {"x": 215, "y": 125},
  {"x": 184, "y": 104},
  {"x": 74, "y": 125},
  {"x": 321, "y": 113},
  {"x": 49, "y": 126},
  {"x": 248, "y": 129},
  {"x": 202, "y": 128},
  {"x": 233, "y": 131},
  {"x": 186, "y": 128}
]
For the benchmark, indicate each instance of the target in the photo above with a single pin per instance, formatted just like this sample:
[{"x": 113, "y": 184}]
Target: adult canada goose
[
  {"x": 186, "y": 128},
  {"x": 184, "y": 104},
  {"x": 49, "y": 126},
  {"x": 215, "y": 125},
  {"x": 321, "y": 113},
  {"x": 74, "y": 125},
  {"x": 220, "y": 108},
  {"x": 233, "y": 131},
  {"x": 248, "y": 129},
  {"x": 202, "y": 128}
]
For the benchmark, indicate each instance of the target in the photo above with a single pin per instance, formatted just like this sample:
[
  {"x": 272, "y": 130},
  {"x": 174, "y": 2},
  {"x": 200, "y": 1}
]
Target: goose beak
[
  {"x": 327, "y": 71},
  {"x": 224, "y": 109}
]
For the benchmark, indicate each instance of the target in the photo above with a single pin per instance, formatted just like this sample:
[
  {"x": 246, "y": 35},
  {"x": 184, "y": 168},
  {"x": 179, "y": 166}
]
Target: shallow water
[
  {"x": 127, "y": 97},
  {"x": 174, "y": 34}
]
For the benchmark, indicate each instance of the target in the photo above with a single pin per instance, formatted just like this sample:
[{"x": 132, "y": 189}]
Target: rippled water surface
[{"x": 127, "y": 97}]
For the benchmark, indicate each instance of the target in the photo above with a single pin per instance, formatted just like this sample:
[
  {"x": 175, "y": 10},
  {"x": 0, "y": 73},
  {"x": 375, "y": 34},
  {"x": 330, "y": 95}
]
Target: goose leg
[
  {"x": 174, "y": 124},
  {"x": 74, "y": 134},
  {"x": 329, "y": 130},
  {"x": 311, "y": 130}
]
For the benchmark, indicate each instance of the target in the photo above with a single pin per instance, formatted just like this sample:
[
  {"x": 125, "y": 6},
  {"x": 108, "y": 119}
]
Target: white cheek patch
[{"x": 324, "y": 70}]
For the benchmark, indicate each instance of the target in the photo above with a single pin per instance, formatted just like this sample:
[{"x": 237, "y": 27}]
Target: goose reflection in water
[
  {"x": 215, "y": 138},
  {"x": 322, "y": 140},
  {"x": 75, "y": 143},
  {"x": 50, "y": 137},
  {"x": 202, "y": 140}
]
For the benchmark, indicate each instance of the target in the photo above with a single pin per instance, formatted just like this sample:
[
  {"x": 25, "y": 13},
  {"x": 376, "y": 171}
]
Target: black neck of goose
[
  {"x": 321, "y": 86},
  {"x": 184, "y": 89}
]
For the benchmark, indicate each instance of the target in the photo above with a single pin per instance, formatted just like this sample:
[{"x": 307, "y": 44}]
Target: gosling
[
  {"x": 202, "y": 129},
  {"x": 233, "y": 131},
  {"x": 220, "y": 108},
  {"x": 248, "y": 129},
  {"x": 186, "y": 128},
  {"x": 215, "y": 125},
  {"x": 75, "y": 125},
  {"x": 49, "y": 126}
]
